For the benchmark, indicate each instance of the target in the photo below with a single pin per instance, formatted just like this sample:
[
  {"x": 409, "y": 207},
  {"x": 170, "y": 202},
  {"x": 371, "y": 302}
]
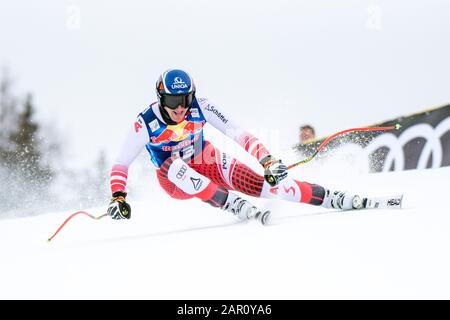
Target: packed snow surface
[{"x": 173, "y": 249}]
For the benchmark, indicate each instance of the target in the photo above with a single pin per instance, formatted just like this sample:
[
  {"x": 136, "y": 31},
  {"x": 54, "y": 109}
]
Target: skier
[{"x": 171, "y": 130}]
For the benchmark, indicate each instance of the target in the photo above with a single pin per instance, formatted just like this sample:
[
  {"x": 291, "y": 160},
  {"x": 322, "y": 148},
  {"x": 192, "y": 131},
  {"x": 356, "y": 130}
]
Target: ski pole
[
  {"x": 73, "y": 215},
  {"x": 327, "y": 140}
]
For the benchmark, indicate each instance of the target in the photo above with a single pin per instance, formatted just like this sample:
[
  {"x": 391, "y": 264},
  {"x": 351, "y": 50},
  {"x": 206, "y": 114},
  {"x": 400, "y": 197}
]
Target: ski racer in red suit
[{"x": 171, "y": 130}]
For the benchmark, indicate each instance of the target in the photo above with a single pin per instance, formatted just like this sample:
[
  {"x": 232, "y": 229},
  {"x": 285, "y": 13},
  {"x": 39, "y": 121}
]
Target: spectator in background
[{"x": 307, "y": 134}]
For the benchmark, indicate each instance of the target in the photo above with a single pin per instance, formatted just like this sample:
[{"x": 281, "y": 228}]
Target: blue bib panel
[{"x": 183, "y": 140}]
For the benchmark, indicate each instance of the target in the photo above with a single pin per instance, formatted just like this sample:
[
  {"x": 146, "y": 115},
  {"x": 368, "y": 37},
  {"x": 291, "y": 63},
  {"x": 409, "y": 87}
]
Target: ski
[{"x": 387, "y": 202}]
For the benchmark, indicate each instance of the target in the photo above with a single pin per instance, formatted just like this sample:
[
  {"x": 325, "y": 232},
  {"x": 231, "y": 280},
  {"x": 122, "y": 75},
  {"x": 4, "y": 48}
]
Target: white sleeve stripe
[
  {"x": 254, "y": 145},
  {"x": 250, "y": 141},
  {"x": 118, "y": 178},
  {"x": 257, "y": 151},
  {"x": 118, "y": 172}
]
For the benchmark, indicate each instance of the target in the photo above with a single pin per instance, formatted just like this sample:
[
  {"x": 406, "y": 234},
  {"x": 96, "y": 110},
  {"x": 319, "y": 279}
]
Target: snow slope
[{"x": 188, "y": 250}]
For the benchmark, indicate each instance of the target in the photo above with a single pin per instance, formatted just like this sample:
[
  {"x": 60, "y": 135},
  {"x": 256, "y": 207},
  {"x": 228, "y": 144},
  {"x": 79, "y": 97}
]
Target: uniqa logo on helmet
[{"x": 178, "y": 83}]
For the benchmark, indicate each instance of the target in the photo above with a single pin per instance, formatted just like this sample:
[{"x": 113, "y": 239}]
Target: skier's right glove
[{"x": 118, "y": 208}]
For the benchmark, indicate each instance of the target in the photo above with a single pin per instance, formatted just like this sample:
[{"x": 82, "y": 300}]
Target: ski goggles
[{"x": 173, "y": 101}]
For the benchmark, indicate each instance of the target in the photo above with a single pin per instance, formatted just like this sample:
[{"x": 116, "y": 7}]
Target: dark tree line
[
  {"x": 22, "y": 155},
  {"x": 27, "y": 176}
]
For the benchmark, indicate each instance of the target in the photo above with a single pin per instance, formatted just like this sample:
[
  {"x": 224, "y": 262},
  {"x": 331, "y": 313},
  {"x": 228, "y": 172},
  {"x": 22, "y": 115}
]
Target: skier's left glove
[
  {"x": 274, "y": 170},
  {"x": 118, "y": 208}
]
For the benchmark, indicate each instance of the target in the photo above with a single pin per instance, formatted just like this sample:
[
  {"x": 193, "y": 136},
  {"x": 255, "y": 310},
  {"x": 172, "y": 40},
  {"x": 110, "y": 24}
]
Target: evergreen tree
[
  {"x": 25, "y": 178},
  {"x": 28, "y": 149},
  {"x": 8, "y": 115}
]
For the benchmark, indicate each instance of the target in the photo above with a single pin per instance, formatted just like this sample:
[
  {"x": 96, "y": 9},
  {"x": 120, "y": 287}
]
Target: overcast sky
[{"x": 92, "y": 65}]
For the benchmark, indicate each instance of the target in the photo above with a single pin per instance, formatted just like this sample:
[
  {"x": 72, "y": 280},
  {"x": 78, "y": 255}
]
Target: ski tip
[{"x": 400, "y": 202}]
